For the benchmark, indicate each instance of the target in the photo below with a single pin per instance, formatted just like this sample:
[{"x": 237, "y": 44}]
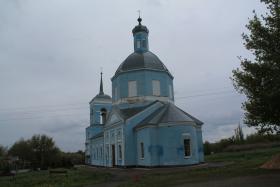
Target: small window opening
[
  {"x": 144, "y": 43},
  {"x": 187, "y": 147},
  {"x": 142, "y": 150},
  {"x": 120, "y": 152},
  {"x": 107, "y": 152},
  {"x": 138, "y": 44},
  {"x": 103, "y": 114}
]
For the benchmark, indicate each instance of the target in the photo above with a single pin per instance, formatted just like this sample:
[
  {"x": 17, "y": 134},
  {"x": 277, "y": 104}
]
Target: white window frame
[
  {"x": 190, "y": 147},
  {"x": 156, "y": 87},
  {"x": 132, "y": 88}
]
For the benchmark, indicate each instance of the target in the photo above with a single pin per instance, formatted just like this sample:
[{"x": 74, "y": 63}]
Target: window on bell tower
[
  {"x": 103, "y": 115},
  {"x": 143, "y": 43},
  {"x": 138, "y": 44}
]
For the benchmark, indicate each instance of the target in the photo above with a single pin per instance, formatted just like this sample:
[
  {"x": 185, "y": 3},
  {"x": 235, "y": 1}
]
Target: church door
[{"x": 113, "y": 156}]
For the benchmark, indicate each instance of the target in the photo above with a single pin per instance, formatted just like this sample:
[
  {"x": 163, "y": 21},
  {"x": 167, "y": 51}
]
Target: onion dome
[
  {"x": 140, "y": 27},
  {"x": 142, "y": 61}
]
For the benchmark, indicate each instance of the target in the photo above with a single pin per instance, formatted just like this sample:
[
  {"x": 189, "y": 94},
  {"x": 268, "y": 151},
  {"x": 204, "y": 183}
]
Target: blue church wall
[
  {"x": 164, "y": 145},
  {"x": 144, "y": 80},
  {"x": 152, "y": 150},
  {"x": 93, "y": 130},
  {"x": 130, "y": 136},
  {"x": 172, "y": 142},
  {"x": 97, "y": 151},
  {"x": 114, "y": 135},
  {"x": 200, "y": 145}
]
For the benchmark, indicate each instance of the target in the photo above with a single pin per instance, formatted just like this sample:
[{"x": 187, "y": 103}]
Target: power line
[
  {"x": 42, "y": 106},
  {"x": 208, "y": 94},
  {"x": 212, "y": 90},
  {"x": 38, "y": 117},
  {"x": 46, "y": 111},
  {"x": 78, "y": 108}
]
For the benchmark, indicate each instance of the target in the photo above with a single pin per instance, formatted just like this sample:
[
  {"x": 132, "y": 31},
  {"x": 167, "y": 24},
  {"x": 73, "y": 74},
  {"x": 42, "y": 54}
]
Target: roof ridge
[
  {"x": 166, "y": 109},
  {"x": 149, "y": 118},
  {"x": 158, "y": 111},
  {"x": 190, "y": 116}
]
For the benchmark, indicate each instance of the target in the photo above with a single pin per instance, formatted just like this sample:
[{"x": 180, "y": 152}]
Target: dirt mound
[{"x": 274, "y": 163}]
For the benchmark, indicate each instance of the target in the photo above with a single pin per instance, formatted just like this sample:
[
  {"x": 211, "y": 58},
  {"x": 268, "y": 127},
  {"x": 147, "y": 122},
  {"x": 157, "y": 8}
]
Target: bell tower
[{"x": 100, "y": 106}]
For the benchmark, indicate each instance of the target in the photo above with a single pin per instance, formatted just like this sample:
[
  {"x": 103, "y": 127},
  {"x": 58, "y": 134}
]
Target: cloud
[
  {"x": 51, "y": 53},
  {"x": 62, "y": 126}
]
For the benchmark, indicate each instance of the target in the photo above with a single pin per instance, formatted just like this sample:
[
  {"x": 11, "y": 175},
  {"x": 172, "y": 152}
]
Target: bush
[
  {"x": 4, "y": 167},
  {"x": 252, "y": 141}
]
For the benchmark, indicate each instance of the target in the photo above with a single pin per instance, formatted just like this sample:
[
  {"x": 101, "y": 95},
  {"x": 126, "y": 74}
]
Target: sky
[{"x": 52, "y": 52}]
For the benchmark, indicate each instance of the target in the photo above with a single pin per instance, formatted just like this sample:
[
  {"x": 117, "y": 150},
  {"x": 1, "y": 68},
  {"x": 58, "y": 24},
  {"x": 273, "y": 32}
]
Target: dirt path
[
  {"x": 268, "y": 180},
  {"x": 120, "y": 176}
]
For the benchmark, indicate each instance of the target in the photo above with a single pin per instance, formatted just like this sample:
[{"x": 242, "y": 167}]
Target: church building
[{"x": 140, "y": 126}]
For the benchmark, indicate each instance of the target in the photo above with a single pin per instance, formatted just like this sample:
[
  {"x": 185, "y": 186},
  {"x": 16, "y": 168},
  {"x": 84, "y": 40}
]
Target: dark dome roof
[
  {"x": 137, "y": 61},
  {"x": 101, "y": 97},
  {"x": 140, "y": 28}
]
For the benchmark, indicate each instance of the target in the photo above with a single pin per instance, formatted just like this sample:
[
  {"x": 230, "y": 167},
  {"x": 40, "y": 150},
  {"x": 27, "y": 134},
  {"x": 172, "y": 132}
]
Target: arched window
[{"x": 103, "y": 116}]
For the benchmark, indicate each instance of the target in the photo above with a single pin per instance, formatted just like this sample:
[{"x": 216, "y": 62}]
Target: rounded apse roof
[{"x": 138, "y": 61}]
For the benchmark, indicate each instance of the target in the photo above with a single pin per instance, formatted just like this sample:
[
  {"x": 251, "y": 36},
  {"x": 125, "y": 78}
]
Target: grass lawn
[
  {"x": 233, "y": 165},
  {"x": 237, "y": 164},
  {"x": 75, "y": 178}
]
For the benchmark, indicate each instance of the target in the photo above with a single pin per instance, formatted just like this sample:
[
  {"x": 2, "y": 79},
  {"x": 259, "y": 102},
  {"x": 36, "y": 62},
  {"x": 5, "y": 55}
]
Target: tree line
[
  {"x": 39, "y": 151},
  {"x": 241, "y": 143}
]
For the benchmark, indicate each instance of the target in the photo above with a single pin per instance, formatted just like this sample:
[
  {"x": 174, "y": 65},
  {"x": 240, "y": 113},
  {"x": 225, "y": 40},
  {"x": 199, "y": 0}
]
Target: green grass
[
  {"x": 233, "y": 165},
  {"x": 76, "y": 178},
  {"x": 236, "y": 164}
]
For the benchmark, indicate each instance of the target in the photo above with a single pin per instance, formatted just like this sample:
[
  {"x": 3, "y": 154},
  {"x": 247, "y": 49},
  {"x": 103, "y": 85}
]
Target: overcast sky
[{"x": 51, "y": 52}]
